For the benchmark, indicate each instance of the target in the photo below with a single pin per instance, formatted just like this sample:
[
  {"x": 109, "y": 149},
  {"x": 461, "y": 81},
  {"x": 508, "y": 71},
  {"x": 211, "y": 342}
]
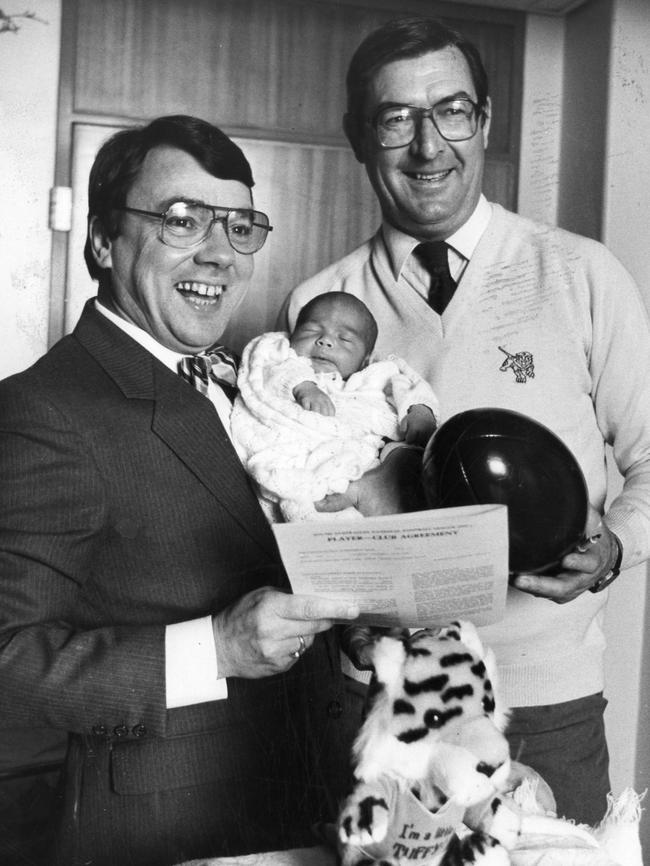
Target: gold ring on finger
[{"x": 302, "y": 646}]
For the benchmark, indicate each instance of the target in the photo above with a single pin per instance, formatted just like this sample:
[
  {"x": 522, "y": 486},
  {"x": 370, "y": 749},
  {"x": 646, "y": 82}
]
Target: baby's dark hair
[{"x": 370, "y": 329}]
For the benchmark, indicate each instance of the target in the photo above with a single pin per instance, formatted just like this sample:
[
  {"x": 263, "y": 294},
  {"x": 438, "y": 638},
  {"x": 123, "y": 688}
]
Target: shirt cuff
[{"x": 191, "y": 673}]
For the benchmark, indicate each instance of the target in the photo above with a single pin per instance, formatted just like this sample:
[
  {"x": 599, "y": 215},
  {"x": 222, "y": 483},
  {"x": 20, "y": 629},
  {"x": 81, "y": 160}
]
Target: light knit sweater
[
  {"x": 567, "y": 301},
  {"x": 298, "y": 456}
]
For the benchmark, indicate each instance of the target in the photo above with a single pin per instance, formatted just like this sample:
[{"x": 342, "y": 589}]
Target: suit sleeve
[{"x": 57, "y": 668}]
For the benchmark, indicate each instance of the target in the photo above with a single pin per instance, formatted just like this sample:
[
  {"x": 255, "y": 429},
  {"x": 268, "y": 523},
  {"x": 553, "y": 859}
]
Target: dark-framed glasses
[
  {"x": 185, "y": 224},
  {"x": 398, "y": 125}
]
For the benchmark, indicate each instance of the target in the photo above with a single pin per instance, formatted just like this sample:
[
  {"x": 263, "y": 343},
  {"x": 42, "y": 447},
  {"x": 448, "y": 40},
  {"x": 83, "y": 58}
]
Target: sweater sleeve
[{"x": 619, "y": 364}]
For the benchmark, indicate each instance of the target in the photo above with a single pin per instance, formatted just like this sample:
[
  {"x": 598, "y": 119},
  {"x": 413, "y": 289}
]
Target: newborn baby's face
[{"x": 334, "y": 339}]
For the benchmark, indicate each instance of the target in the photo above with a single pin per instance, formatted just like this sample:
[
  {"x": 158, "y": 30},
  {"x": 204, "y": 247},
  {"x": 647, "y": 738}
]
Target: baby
[{"x": 313, "y": 412}]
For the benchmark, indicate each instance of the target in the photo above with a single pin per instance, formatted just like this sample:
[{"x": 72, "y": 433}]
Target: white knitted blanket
[{"x": 297, "y": 456}]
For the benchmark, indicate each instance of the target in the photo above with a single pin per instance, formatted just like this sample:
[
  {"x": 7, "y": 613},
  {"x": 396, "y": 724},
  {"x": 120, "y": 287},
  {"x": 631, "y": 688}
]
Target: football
[{"x": 490, "y": 455}]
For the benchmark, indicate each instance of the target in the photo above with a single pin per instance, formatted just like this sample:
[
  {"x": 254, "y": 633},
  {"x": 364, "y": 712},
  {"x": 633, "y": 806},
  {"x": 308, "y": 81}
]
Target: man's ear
[
  {"x": 487, "y": 117},
  {"x": 100, "y": 243},
  {"x": 354, "y": 136}
]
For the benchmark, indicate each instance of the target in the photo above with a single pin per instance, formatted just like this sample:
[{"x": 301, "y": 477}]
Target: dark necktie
[
  {"x": 216, "y": 363},
  {"x": 433, "y": 256}
]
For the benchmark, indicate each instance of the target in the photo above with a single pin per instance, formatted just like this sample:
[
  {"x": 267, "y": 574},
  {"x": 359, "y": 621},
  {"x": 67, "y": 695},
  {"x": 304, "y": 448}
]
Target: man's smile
[
  {"x": 200, "y": 291},
  {"x": 431, "y": 177}
]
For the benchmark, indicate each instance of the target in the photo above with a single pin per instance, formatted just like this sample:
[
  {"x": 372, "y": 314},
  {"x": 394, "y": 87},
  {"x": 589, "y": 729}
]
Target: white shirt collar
[
  {"x": 170, "y": 359},
  {"x": 463, "y": 242},
  {"x": 162, "y": 353}
]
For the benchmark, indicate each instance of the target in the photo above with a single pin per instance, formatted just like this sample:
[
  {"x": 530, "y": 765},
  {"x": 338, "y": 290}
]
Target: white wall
[
  {"x": 539, "y": 162},
  {"x": 626, "y": 226},
  {"x": 29, "y": 72},
  {"x": 626, "y": 230}
]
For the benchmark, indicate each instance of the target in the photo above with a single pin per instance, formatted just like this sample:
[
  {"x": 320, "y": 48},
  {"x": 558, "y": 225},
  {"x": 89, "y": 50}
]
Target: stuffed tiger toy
[
  {"x": 430, "y": 756},
  {"x": 432, "y": 765}
]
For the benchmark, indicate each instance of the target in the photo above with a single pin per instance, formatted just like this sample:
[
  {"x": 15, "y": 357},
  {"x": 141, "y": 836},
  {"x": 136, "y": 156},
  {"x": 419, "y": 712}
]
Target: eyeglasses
[
  {"x": 398, "y": 125},
  {"x": 185, "y": 225}
]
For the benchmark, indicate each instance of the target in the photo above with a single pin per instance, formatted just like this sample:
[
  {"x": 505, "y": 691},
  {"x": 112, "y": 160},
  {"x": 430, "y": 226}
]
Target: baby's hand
[
  {"x": 310, "y": 397},
  {"x": 419, "y": 425}
]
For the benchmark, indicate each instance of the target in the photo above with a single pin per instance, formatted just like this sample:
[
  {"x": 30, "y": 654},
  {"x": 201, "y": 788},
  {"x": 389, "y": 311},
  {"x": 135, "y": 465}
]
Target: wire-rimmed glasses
[{"x": 186, "y": 224}]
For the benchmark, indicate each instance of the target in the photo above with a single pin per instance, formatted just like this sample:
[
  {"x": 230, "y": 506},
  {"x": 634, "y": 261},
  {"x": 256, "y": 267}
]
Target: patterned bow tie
[{"x": 216, "y": 363}]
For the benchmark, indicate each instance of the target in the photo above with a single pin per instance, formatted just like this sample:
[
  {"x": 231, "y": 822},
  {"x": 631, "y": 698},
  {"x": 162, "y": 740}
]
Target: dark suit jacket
[{"x": 123, "y": 508}]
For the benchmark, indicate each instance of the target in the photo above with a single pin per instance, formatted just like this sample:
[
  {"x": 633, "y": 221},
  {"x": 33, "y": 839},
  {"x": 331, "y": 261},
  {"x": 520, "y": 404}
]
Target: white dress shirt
[{"x": 191, "y": 674}]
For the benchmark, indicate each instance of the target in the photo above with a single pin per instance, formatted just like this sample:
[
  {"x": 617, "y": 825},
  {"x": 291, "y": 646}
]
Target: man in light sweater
[{"x": 540, "y": 321}]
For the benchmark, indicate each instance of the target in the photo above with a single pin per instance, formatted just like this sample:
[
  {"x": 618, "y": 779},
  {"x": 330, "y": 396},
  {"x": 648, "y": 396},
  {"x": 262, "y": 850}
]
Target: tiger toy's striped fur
[{"x": 433, "y": 733}]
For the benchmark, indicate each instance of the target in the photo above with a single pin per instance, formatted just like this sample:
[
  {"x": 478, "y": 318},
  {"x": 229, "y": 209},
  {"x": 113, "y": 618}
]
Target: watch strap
[{"x": 604, "y": 581}]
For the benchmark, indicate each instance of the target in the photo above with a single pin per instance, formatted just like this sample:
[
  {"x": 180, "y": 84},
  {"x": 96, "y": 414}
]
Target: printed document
[{"x": 414, "y": 570}]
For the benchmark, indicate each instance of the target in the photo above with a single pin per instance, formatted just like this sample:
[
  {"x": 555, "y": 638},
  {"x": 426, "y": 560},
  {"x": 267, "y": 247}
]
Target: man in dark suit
[{"x": 143, "y": 606}]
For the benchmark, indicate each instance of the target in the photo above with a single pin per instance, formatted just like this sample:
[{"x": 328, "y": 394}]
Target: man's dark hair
[
  {"x": 119, "y": 160},
  {"x": 400, "y": 39}
]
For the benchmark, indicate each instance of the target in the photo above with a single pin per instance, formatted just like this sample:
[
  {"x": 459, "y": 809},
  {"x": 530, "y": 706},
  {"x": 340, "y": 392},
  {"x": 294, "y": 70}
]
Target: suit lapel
[
  {"x": 189, "y": 424},
  {"x": 184, "y": 419}
]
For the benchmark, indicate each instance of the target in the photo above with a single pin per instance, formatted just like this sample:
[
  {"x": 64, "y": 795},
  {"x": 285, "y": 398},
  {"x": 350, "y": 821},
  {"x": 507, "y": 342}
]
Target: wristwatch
[{"x": 604, "y": 581}]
